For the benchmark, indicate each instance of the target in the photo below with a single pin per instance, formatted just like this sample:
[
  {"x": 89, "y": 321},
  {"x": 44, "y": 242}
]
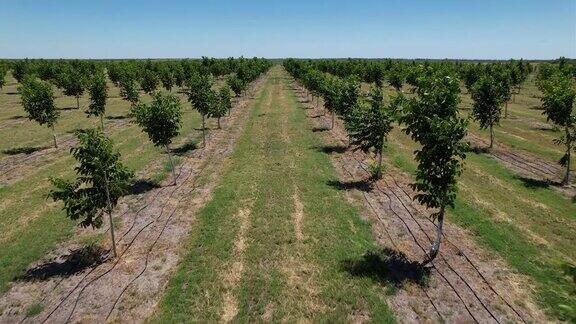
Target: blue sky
[{"x": 287, "y": 28}]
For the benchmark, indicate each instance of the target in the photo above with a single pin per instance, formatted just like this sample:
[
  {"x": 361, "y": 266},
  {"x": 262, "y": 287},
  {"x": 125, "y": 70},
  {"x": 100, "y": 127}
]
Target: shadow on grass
[
  {"x": 24, "y": 150},
  {"x": 320, "y": 129},
  {"x": 16, "y": 117},
  {"x": 141, "y": 186},
  {"x": 185, "y": 148},
  {"x": 362, "y": 185},
  {"x": 318, "y": 116},
  {"x": 117, "y": 117},
  {"x": 330, "y": 149},
  {"x": 74, "y": 262},
  {"x": 11, "y": 93},
  {"x": 478, "y": 149},
  {"x": 536, "y": 183},
  {"x": 388, "y": 267},
  {"x": 67, "y": 108}
]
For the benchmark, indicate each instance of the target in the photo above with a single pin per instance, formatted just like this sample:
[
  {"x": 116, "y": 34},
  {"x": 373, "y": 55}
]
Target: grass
[
  {"x": 531, "y": 227},
  {"x": 275, "y": 276},
  {"x": 31, "y": 225},
  {"x": 34, "y": 310}
]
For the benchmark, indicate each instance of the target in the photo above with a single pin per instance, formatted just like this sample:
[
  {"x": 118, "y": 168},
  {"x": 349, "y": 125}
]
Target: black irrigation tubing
[
  {"x": 424, "y": 250},
  {"x": 524, "y": 162},
  {"x": 18, "y": 162},
  {"x": 440, "y": 273},
  {"x": 194, "y": 188},
  {"x": 118, "y": 259},
  {"x": 465, "y": 257},
  {"x": 429, "y": 240},
  {"x": 375, "y": 212}
]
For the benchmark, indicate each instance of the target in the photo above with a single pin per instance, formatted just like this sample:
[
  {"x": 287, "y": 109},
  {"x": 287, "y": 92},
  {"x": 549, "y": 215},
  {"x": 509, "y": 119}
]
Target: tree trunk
[
  {"x": 506, "y": 110},
  {"x": 109, "y": 203},
  {"x": 203, "y": 130},
  {"x": 317, "y": 101},
  {"x": 435, "y": 248},
  {"x": 491, "y": 136},
  {"x": 77, "y": 102},
  {"x": 171, "y": 164},
  {"x": 102, "y": 122},
  {"x": 219, "y": 126},
  {"x": 333, "y": 117},
  {"x": 379, "y": 170},
  {"x": 568, "y": 154},
  {"x": 54, "y": 136}
]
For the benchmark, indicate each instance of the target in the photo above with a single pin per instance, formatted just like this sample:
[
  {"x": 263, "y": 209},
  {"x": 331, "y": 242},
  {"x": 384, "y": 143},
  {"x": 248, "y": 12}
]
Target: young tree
[
  {"x": 202, "y": 98},
  {"x": 161, "y": 120},
  {"x": 558, "y": 104},
  {"x": 101, "y": 180},
  {"x": 235, "y": 84},
  {"x": 396, "y": 77},
  {"x": 72, "y": 81},
  {"x": 505, "y": 87},
  {"x": 487, "y": 97},
  {"x": 98, "y": 91},
  {"x": 128, "y": 90},
  {"x": 225, "y": 98},
  {"x": 149, "y": 81},
  {"x": 368, "y": 125},
  {"x": 3, "y": 71},
  {"x": 432, "y": 120},
  {"x": 38, "y": 101},
  {"x": 167, "y": 78}
]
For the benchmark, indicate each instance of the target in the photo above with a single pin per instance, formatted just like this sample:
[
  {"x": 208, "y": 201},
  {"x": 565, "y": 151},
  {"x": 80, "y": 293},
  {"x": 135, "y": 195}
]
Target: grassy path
[{"x": 273, "y": 241}]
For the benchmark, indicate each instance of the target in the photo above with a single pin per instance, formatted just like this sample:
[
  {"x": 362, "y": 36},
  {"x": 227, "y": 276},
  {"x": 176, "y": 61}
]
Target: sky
[{"x": 480, "y": 29}]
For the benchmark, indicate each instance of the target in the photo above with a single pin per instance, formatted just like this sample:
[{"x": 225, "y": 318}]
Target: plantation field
[{"x": 281, "y": 217}]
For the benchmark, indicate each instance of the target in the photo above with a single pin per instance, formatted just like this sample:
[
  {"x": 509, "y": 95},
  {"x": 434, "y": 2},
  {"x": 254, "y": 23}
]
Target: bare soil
[
  {"x": 527, "y": 165},
  {"x": 150, "y": 236},
  {"x": 18, "y": 166},
  {"x": 464, "y": 284}
]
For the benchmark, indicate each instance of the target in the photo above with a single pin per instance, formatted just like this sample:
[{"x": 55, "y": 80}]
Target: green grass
[
  {"x": 537, "y": 233},
  {"x": 34, "y": 310},
  {"x": 31, "y": 225},
  {"x": 283, "y": 278}
]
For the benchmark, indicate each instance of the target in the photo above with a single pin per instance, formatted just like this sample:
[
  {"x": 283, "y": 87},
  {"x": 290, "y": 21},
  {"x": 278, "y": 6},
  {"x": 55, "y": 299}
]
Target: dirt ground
[
  {"x": 465, "y": 284},
  {"x": 150, "y": 236},
  {"x": 527, "y": 165}
]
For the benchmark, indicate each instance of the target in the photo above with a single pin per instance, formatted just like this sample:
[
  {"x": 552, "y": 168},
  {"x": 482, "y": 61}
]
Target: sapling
[
  {"x": 202, "y": 98},
  {"x": 101, "y": 180},
  {"x": 97, "y": 106},
  {"x": 432, "y": 120},
  {"x": 368, "y": 125},
  {"x": 487, "y": 97},
  {"x": 161, "y": 120},
  {"x": 558, "y": 104},
  {"x": 38, "y": 101}
]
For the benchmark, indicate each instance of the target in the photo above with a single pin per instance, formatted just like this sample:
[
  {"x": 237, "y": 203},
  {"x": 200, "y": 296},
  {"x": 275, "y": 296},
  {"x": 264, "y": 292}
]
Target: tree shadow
[
  {"x": 362, "y": 185},
  {"x": 389, "y": 267},
  {"x": 478, "y": 149},
  {"x": 24, "y": 150},
  {"x": 74, "y": 262},
  {"x": 320, "y": 129},
  {"x": 536, "y": 107},
  {"x": 330, "y": 149},
  {"x": 318, "y": 116},
  {"x": 119, "y": 117},
  {"x": 17, "y": 117},
  {"x": 535, "y": 183},
  {"x": 545, "y": 129},
  {"x": 67, "y": 108},
  {"x": 141, "y": 186},
  {"x": 185, "y": 148},
  {"x": 11, "y": 93}
]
